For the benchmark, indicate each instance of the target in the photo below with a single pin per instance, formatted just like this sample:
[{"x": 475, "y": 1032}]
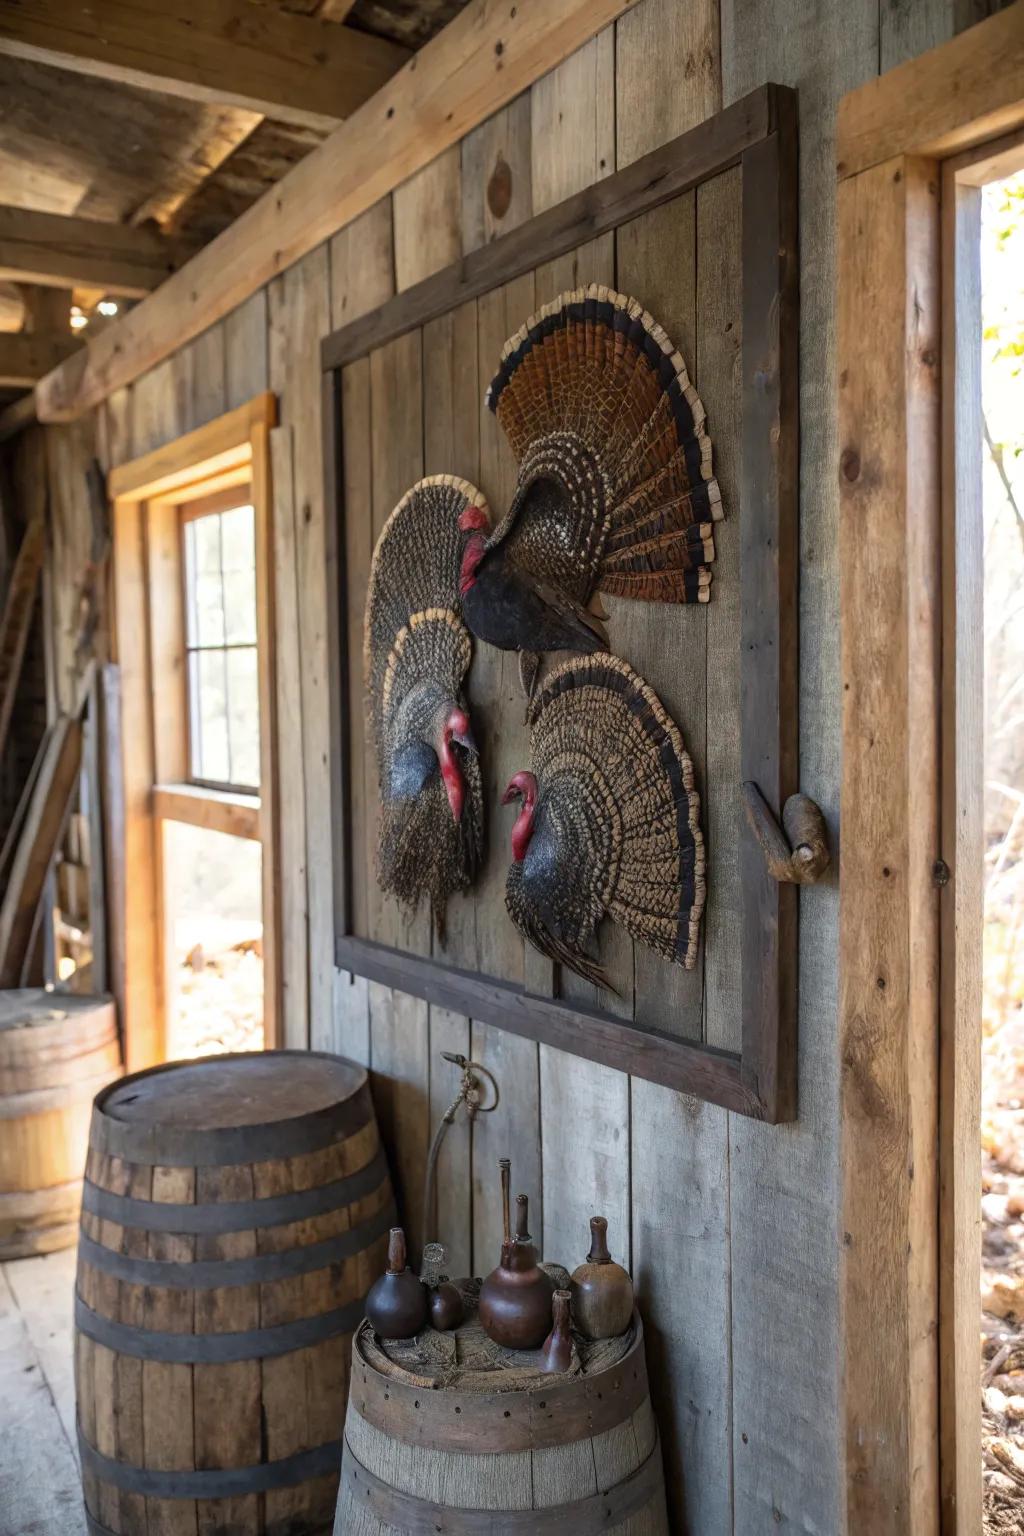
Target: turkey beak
[
  {"x": 466, "y": 739},
  {"x": 512, "y": 792}
]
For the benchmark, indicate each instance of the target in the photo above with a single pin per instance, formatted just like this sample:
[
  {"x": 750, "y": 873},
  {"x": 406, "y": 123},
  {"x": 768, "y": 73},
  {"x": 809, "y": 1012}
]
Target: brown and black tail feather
[{"x": 595, "y": 365}]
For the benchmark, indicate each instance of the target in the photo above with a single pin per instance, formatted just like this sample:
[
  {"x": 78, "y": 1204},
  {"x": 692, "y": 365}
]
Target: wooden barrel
[
  {"x": 56, "y": 1051},
  {"x": 441, "y": 1449},
  {"x": 235, "y": 1213}
]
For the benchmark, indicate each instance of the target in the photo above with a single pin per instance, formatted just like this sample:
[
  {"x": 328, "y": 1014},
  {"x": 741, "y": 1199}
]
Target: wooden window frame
[
  {"x": 909, "y": 146},
  {"x": 758, "y": 134},
  {"x": 147, "y": 495}
]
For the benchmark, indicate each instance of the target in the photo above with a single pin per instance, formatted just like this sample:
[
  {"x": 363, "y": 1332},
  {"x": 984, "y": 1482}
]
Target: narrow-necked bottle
[
  {"x": 515, "y": 1299},
  {"x": 556, "y": 1351}
]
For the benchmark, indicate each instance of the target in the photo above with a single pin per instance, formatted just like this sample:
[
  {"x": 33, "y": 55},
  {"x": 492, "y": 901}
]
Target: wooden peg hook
[{"x": 797, "y": 852}]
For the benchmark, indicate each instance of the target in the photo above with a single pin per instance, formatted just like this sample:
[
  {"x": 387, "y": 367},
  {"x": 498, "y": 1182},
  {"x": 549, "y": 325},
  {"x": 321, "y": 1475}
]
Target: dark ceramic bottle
[
  {"x": 602, "y": 1292},
  {"x": 446, "y": 1309},
  {"x": 556, "y": 1351},
  {"x": 397, "y": 1303},
  {"x": 515, "y": 1299}
]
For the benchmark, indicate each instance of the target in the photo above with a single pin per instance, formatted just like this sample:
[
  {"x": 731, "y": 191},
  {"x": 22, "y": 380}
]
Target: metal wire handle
[{"x": 471, "y": 1094}]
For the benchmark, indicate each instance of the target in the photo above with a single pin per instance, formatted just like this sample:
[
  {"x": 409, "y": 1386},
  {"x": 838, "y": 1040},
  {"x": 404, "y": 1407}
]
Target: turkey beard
[{"x": 423, "y": 851}]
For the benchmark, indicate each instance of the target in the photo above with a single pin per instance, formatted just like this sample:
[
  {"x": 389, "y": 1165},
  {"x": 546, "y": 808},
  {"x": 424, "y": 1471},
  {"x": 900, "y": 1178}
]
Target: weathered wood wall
[{"x": 730, "y": 1227}]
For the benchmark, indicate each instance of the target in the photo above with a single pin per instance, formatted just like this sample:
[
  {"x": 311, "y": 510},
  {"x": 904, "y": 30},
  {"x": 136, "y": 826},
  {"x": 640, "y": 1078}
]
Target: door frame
[
  {"x": 909, "y": 1026},
  {"x": 145, "y": 495}
]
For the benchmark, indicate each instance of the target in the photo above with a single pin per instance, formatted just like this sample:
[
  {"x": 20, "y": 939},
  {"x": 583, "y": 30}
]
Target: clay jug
[
  {"x": 556, "y": 1352},
  {"x": 397, "y": 1303},
  {"x": 602, "y": 1292},
  {"x": 515, "y": 1299}
]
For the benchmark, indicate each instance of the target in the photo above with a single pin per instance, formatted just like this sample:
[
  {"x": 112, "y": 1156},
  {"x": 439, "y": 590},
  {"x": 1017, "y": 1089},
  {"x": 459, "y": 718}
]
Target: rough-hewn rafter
[
  {"x": 62, "y": 252},
  {"x": 296, "y": 68},
  {"x": 482, "y": 59},
  {"x": 25, "y": 358}
]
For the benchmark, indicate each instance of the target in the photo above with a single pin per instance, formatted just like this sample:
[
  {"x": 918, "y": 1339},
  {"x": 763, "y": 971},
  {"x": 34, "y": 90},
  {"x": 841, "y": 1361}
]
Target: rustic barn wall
[{"x": 730, "y": 1227}]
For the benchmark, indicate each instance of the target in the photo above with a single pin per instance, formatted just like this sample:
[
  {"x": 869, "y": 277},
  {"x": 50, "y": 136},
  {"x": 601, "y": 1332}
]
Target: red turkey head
[
  {"x": 521, "y": 786},
  {"x": 473, "y": 521},
  {"x": 457, "y": 728}
]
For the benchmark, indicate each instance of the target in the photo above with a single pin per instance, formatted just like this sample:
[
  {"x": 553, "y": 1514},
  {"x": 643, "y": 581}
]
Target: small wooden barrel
[
  {"x": 235, "y": 1213},
  {"x": 572, "y": 1455},
  {"x": 56, "y": 1051}
]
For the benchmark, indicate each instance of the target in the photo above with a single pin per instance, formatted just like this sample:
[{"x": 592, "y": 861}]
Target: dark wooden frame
[{"x": 757, "y": 134}]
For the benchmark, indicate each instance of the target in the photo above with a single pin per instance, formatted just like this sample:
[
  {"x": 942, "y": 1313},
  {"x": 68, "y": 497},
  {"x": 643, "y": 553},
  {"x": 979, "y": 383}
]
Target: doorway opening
[
  {"x": 193, "y": 598},
  {"x": 1002, "y": 1073},
  {"x": 212, "y": 879}
]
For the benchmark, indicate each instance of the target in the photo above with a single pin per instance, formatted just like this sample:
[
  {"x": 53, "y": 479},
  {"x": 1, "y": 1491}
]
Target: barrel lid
[
  {"x": 27, "y": 1007},
  {"x": 241, "y": 1107}
]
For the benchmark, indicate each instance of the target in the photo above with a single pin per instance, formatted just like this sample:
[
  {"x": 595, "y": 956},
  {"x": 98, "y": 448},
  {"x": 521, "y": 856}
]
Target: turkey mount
[
  {"x": 615, "y": 492},
  {"x": 417, "y": 656},
  {"x": 609, "y": 821}
]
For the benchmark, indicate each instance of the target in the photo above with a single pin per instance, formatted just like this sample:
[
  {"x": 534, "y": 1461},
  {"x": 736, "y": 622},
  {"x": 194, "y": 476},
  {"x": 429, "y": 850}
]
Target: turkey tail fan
[
  {"x": 417, "y": 653},
  {"x": 594, "y": 371},
  {"x": 414, "y": 580},
  {"x": 601, "y": 737}
]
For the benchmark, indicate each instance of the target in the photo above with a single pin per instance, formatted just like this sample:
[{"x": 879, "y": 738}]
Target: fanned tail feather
[{"x": 596, "y": 365}]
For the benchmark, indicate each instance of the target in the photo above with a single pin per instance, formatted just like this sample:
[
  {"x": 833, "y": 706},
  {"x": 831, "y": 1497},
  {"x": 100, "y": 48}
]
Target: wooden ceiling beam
[
  {"x": 481, "y": 60},
  {"x": 27, "y": 356},
  {"x": 61, "y": 252},
  {"x": 297, "y": 69}
]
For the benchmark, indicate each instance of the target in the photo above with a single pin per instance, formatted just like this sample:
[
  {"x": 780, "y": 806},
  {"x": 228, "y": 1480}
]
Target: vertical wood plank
[
  {"x": 294, "y": 985},
  {"x": 201, "y": 370},
  {"x": 667, "y": 73},
  {"x": 496, "y": 175},
  {"x": 427, "y": 211},
  {"x": 512, "y": 1131},
  {"x": 299, "y": 313},
  {"x": 783, "y": 1180},
  {"x": 682, "y": 1270},
  {"x": 245, "y": 350},
  {"x": 890, "y": 540}
]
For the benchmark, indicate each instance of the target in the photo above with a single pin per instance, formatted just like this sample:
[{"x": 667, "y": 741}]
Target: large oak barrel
[
  {"x": 234, "y": 1215},
  {"x": 56, "y": 1051},
  {"x": 500, "y": 1450}
]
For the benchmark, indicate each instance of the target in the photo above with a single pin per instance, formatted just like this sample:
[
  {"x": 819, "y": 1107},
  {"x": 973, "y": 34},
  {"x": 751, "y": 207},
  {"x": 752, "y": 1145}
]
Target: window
[{"x": 220, "y": 644}]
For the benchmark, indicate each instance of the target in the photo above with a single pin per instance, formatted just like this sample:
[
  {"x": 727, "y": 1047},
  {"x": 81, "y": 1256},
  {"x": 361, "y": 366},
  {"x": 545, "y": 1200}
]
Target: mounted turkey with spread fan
[
  {"x": 609, "y": 822},
  {"x": 615, "y": 491},
  {"x": 417, "y": 653}
]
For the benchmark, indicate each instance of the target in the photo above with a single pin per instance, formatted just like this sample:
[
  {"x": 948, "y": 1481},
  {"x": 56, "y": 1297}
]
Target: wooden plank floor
[{"x": 40, "y": 1492}]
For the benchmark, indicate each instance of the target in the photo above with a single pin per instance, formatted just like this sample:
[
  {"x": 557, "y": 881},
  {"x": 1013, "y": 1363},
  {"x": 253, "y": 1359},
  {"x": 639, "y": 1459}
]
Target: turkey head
[
  {"x": 417, "y": 653},
  {"x": 615, "y": 491},
  {"x": 609, "y": 820}
]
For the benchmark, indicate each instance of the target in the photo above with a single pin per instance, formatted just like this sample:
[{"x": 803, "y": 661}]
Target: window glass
[{"x": 220, "y": 635}]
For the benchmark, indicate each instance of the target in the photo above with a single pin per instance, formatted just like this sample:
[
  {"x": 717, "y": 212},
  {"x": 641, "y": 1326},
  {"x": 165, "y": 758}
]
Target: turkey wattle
[
  {"x": 609, "y": 820},
  {"x": 417, "y": 653},
  {"x": 615, "y": 491}
]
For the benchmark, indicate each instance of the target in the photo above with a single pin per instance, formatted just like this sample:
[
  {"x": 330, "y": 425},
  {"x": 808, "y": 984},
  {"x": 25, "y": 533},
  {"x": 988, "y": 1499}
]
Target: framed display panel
[{"x": 703, "y": 233}]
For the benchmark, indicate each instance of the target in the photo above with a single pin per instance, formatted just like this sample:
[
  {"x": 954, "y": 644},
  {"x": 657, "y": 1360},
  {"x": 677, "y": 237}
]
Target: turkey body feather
[
  {"x": 610, "y": 823},
  {"x": 417, "y": 652},
  {"x": 615, "y": 491}
]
